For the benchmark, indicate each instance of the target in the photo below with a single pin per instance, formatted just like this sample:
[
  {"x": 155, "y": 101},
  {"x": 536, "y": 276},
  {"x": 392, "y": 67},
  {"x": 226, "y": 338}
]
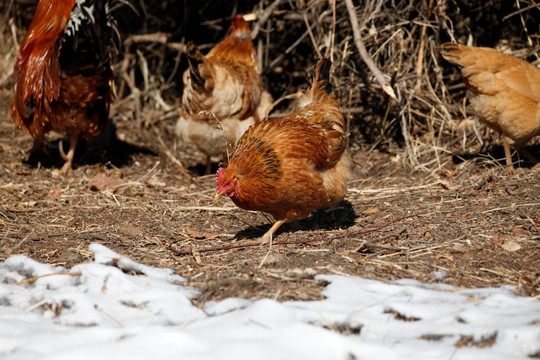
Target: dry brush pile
[{"x": 426, "y": 121}]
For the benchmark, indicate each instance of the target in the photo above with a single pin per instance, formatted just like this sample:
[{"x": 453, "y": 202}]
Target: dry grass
[
  {"x": 419, "y": 154},
  {"x": 427, "y": 124}
]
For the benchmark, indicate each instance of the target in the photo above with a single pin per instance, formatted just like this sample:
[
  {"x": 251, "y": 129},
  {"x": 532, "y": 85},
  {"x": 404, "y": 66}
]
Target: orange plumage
[
  {"x": 291, "y": 166},
  {"x": 63, "y": 72},
  {"x": 224, "y": 85},
  {"x": 504, "y": 91}
]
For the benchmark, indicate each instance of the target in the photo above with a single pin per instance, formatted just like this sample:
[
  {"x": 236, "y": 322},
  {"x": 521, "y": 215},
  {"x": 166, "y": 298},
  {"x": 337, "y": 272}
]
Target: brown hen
[
  {"x": 504, "y": 91},
  {"x": 223, "y": 85},
  {"x": 291, "y": 166},
  {"x": 63, "y": 75}
]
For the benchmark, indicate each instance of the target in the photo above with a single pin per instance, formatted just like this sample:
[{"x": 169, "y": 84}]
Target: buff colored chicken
[
  {"x": 63, "y": 73},
  {"x": 224, "y": 85},
  {"x": 504, "y": 91},
  {"x": 291, "y": 166}
]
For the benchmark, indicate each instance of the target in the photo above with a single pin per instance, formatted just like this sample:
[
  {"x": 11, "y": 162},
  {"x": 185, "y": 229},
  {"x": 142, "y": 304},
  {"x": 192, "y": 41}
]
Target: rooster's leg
[
  {"x": 69, "y": 156},
  {"x": 508, "y": 154},
  {"x": 267, "y": 238}
]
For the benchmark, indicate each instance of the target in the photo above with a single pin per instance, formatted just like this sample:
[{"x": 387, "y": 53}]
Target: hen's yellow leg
[
  {"x": 267, "y": 237},
  {"x": 508, "y": 154}
]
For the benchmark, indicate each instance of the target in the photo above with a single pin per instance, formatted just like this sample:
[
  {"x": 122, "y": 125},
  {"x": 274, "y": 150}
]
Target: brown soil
[{"x": 472, "y": 221}]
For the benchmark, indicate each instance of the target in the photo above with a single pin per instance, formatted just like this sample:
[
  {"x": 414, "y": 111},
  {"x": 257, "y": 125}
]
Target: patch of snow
[{"x": 115, "y": 307}]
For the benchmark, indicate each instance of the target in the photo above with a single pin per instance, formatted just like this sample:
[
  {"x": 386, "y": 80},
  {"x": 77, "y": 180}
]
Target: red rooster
[
  {"x": 63, "y": 72},
  {"x": 223, "y": 85},
  {"x": 291, "y": 166}
]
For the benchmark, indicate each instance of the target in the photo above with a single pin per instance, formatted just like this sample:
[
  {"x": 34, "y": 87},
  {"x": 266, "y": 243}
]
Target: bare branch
[
  {"x": 262, "y": 19},
  {"x": 363, "y": 53},
  {"x": 157, "y": 37}
]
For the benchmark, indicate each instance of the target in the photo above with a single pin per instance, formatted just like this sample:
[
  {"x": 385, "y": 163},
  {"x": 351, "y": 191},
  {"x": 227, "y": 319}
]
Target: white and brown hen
[{"x": 223, "y": 85}]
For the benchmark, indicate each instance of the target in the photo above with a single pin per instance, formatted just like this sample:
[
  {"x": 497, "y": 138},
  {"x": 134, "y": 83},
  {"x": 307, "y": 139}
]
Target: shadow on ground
[
  {"x": 106, "y": 149},
  {"x": 495, "y": 155},
  {"x": 340, "y": 217}
]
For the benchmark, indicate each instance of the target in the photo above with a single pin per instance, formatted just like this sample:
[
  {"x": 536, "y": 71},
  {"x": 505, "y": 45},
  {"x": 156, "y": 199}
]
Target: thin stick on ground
[
  {"x": 168, "y": 152},
  {"x": 34, "y": 278}
]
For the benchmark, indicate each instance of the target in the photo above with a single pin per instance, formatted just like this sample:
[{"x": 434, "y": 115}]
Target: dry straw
[{"x": 395, "y": 89}]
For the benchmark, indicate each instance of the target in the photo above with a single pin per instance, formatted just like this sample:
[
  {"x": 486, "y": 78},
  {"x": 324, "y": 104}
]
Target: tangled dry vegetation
[{"x": 419, "y": 153}]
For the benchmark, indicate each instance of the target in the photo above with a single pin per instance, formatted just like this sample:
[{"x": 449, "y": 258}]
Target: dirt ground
[{"x": 470, "y": 225}]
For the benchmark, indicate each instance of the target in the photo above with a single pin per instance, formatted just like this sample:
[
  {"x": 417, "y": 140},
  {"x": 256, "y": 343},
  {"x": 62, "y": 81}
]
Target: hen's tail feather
[
  {"x": 452, "y": 52},
  {"x": 195, "y": 59},
  {"x": 321, "y": 88},
  {"x": 321, "y": 78}
]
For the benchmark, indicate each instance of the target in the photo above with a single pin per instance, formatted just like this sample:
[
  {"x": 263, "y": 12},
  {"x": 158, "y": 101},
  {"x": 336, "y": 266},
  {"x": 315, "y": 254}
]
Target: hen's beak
[{"x": 217, "y": 196}]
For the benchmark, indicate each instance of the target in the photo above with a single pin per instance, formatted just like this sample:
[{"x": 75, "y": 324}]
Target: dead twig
[
  {"x": 157, "y": 37},
  {"x": 363, "y": 52},
  {"x": 312, "y": 37},
  {"x": 264, "y": 17},
  {"x": 421, "y": 58},
  {"x": 290, "y": 48},
  {"x": 7, "y": 215},
  {"x": 32, "y": 279},
  {"x": 168, "y": 152}
]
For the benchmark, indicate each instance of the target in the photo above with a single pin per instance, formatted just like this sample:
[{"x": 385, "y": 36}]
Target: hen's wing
[
  {"x": 488, "y": 71},
  {"x": 265, "y": 146},
  {"x": 505, "y": 90}
]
